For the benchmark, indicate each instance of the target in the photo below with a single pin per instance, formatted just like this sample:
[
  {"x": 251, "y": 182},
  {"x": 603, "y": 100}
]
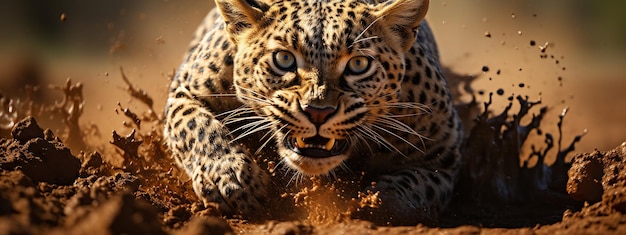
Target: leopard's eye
[
  {"x": 285, "y": 60},
  {"x": 358, "y": 65}
]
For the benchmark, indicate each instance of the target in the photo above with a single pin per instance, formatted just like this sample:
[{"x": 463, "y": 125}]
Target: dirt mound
[
  {"x": 38, "y": 154},
  {"x": 45, "y": 189},
  {"x": 599, "y": 177}
]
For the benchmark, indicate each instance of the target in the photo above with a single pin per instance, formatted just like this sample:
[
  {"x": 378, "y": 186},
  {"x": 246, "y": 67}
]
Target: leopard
[{"x": 319, "y": 88}]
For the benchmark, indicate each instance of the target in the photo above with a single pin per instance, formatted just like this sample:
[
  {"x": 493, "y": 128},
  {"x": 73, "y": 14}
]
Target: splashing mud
[
  {"x": 319, "y": 203},
  {"x": 324, "y": 203},
  {"x": 493, "y": 169},
  {"x": 68, "y": 109}
]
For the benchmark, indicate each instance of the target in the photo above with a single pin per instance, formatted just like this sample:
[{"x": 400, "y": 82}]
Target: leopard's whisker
[
  {"x": 370, "y": 134},
  {"x": 396, "y": 125},
  {"x": 241, "y": 119},
  {"x": 332, "y": 174},
  {"x": 377, "y": 138},
  {"x": 251, "y": 128},
  {"x": 399, "y": 137},
  {"x": 282, "y": 164},
  {"x": 271, "y": 137},
  {"x": 406, "y": 105},
  {"x": 365, "y": 39},
  {"x": 274, "y": 123},
  {"x": 253, "y": 92},
  {"x": 361, "y": 140},
  {"x": 401, "y": 126},
  {"x": 217, "y": 95},
  {"x": 414, "y": 109},
  {"x": 260, "y": 98},
  {"x": 238, "y": 115},
  {"x": 368, "y": 52},
  {"x": 358, "y": 37},
  {"x": 345, "y": 167},
  {"x": 255, "y": 99},
  {"x": 297, "y": 176},
  {"x": 235, "y": 112},
  {"x": 403, "y": 115}
]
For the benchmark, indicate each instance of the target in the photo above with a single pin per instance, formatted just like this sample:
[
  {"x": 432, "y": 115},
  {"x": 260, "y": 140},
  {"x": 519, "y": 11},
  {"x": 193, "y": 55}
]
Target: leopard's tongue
[{"x": 300, "y": 143}]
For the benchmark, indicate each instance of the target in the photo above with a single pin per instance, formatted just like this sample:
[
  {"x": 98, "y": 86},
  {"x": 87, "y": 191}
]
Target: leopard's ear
[
  {"x": 403, "y": 17},
  {"x": 241, "y": 15}
]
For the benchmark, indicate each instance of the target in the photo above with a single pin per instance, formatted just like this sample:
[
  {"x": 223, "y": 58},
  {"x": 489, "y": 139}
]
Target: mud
[{"x": 136, "y": 189}]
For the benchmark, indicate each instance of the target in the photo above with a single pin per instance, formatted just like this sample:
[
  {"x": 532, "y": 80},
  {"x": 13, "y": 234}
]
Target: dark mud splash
[
  {"x": 495, "y": 175},
  {"x": 493, "y": 168}
]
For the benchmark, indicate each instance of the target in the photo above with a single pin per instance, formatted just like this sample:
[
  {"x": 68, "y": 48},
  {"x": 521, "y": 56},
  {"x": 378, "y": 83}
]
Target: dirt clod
[
  {"x": 92, "y": 162},
  {"x": 42, "y": 160},
  {"x": 599, "y": 176},
  {"x": 26, "y": 129},
  {"x": 585, "y": 178}
]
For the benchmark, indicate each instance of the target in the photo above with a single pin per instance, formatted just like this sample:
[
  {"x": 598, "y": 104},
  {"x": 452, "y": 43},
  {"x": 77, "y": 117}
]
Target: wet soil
[{"x": 130, "y": 186}]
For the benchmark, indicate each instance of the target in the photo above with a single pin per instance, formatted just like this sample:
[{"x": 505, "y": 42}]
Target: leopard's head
[{"x": 320, "y": 74}]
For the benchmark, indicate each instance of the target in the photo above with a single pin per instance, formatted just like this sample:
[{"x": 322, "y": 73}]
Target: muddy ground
[
  {"x": 136, "y": 189},
  {"x": 84, "y": 155}
]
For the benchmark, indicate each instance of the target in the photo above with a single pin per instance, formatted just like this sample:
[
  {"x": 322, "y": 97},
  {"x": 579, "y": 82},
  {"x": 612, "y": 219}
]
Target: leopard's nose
[{"x": 318, "y": 115}]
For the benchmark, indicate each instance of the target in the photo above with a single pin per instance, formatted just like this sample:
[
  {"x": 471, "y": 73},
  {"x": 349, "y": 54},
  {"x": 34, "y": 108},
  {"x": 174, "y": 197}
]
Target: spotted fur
[{"x": 328, "y": 85}]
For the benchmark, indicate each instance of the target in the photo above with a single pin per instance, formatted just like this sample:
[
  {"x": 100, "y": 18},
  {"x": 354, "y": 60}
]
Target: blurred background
[{"x": 583, "y": 66}]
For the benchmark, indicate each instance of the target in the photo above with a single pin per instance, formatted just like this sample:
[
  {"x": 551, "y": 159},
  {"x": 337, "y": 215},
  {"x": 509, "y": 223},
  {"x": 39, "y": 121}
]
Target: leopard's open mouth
[{"x": 317, "y": 146}]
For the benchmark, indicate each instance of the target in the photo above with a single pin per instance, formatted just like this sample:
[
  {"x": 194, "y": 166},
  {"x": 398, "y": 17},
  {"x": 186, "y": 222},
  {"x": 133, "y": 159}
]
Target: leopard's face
[{"x": 319, "y": 77}]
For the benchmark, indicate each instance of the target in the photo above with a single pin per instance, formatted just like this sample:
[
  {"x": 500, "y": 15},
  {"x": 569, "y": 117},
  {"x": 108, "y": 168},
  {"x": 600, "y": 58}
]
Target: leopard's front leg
[
  {"x": 222, "y": 172},
  {"x": 417, "y": 192}
]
